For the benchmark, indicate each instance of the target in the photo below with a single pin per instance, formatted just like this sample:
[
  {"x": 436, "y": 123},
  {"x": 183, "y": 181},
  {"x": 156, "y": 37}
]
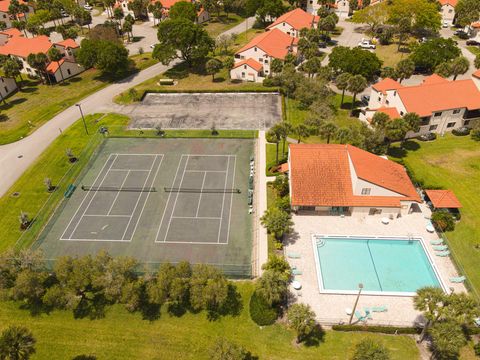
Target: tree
[
  {"x": 183, "y": 10},
  {"x": 328, "y": 130},
  {"x": 342, "y": 82},
  {"x": 16, "y": 8},
  {"x": 434, "y": 52},
  {"x": 388, "y": 72},
  {"x": 310, "y": 90},
  {"x": 467, "y": 12},
  {"x": 277, "y": 222},
  {"x": 182, "y": 39},
  {"x": 276, "y": 66},
  {"x": 404, "y": 69},
  {"x": 403, "y": 30},
  {"x": 424, "y": 15},
  {"x": 119, "y": 15},
  {"x": 127, "y": 28},
  {"x": 11, "y": 67},
  {"x": 159, "y": 289},
  {"x": 368, "y": 349},
  {"x": 112, "y": 58},
  {"x": 223, "y": 349},
  {"x": 228, "y": 64},
  {"x": 380, "y": 120},
  {"x": 272, "y": 287},
  {"x": 284, "y": 128},
  {"x": 17, "y": 343},
  {"x": 273, "y": 136},
  {"x": 447, "y": 340},
  {"x": 477, "y": 62},
  {"x": 430, "y": 301},
  {"x": 281, "y": 186},
  {"x": 373, "y": 16},
  {"x": 356, "y": 84},
  {"x": 30, "y": 287},
  {"x": 157, "y": 11},
  {"x": 279, "y": 265},
  {"x": 443, "y": 220},
  {"x": 39, "y": 62},
  {"x": 269, "y": 9},
  {"x": 312, "y": 66},
  {"x": 354, "y": 61},
  {"x": 139, "y": 8},
  {"x": 396, "y": 131},
  {"x": 301, "y": 318},
  {"x": 444, "y": 69},
  {"x": 208, "y": 288},
  {"x": 412, "y": 121},
  {"x": 213, "y": 66},
  {"x": 459, "y": 66},
  {"x": 55, "y": 55},
  {"x": 302, "y": 131}
]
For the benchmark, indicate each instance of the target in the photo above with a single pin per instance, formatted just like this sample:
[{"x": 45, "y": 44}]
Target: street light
[
  {"x": 360, "y": 287},
  {"x": 83, "y": 118}
]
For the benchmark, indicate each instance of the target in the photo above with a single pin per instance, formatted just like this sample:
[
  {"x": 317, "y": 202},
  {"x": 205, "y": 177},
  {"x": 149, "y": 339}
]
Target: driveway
[{"x": 15, "y": 158}]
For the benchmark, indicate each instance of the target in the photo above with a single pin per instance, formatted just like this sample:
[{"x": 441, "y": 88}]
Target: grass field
[
  {"x": 475, "y": 50},
  {"x": 121, "y": 335},
  {"x": 390, "y": 55},
  {"x": 452, "y": 162},
  {"x": 218, "y": 25},
  {"x": 36, "y": 103}
]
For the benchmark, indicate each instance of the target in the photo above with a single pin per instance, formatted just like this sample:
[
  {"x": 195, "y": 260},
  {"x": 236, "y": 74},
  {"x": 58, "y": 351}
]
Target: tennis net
[
  {"x": 118, "y": 188},
  {"x": 212, "y": 191}
]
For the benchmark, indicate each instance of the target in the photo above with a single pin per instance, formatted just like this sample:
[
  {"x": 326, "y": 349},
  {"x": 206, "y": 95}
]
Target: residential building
[
  {"x": 7, "y": 34},
  {"x": 442, "y": 104},
  {"x": 20, "y": 47},
  {"x": 334, "y": 179},
  {"x": 294, "y": 21},
  {"x": 447, "y": 10},
  {"x": 341, "y": 7},
  {"x": 252, "y": 62},
  {"x": 5, "y": 16}
]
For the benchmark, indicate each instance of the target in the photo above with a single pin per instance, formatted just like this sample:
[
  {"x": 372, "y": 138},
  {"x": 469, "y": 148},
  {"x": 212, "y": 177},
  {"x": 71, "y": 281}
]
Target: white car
[
  {"x": 445, "y": 24},
  {"x": 88, "y": 7},
  {"x": 366, "y": 44},
  {"x": 152, "y": 46}
]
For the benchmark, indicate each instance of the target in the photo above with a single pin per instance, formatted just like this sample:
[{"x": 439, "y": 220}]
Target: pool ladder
[{"x": 320, "y": 241}]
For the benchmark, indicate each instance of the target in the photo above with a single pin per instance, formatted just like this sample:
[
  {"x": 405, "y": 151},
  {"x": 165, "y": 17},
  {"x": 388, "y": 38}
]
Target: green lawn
[
  {"x": 218, "y": 25},
  {"x": 475, "y": 50},
  {"x": 452, "y": 162},
  {"x": 121, "y": 335},
  {"x": 36, "y": 103},
  {"x": 389, "y": 54}
]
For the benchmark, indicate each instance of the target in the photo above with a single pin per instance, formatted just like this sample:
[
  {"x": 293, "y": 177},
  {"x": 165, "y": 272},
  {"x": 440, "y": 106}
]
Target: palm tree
[
  {"x": 342, "y": 82},
  {"x": 16, "y": 343},
  {"x": 430, "y": 300},
  {"x": 380, "y": 120},
  {"x": 328, "y": 130},
  {"x": 404, "y": 69},
  {"x": 302, "y": 131},
  {"x": 272, "y": 136},
  {"x": 356, "y": 84},
  {"x": 284, "y": 129},
  {"x": 459, "y": 66},
  {"x": 55, "y": 55}
]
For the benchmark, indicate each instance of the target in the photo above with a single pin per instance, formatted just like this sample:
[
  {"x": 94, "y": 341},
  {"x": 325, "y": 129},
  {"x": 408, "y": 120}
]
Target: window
[
  {"x": 237, "y": 56},
  {"x": 374, "y": 211},
  {"x": 245, "y": 67},
  {"x": 6, "y": 89},
  {"x": 466, "y": 122},
  {"x": 401, "y": 113},
  {"x": 437, "y": 114},
  {"x": 260, "y": 59},
  {"x": 394, "y": 93},
  {"x": 450, "y": 125},
  {"x": 69, "y": 72},
  {"x": 4, "y": 16},
  {"x": 366, "y": 191},
  {"x": 432, "y": 127},
  {"x": 266, "y": 61},
  {"x": 450, "y": 11},
  {"x": 311, "y": 1},
  {"x": 266, "y": 71},
  {"x": 456, "y": 111},
  {"x": 254, "y": 49},
  {"x": 379, "y": 98},
  {"x": 387, "y": 102},
  {"x": 243, "y": 74},
  {"x": 283, "y": 24}
]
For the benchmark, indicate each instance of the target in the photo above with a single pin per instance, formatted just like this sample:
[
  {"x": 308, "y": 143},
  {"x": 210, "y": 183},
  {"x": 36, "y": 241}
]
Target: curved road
[{"x": 16, "y": 157}]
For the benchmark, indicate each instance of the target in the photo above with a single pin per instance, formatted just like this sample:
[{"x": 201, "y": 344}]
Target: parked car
[
  {"x": 461, "y": 34},
  {"x": 366, "y": 44},
  {"x": 365, "y": 99},
  {"x": 63, "y": 13},
  {"x": 322, "y": 45},
  {"x": 428, "y": 136},
  {"x": 445, "y": 24},
  {"x": 88, "y": 7},
  {"x": 473, "y": 43},
  {"x": 152, "y": 46}
]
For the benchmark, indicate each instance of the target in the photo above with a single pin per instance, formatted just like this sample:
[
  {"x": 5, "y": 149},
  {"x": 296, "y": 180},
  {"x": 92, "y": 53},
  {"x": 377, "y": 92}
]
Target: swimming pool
[{"x": 385, "y": 266}]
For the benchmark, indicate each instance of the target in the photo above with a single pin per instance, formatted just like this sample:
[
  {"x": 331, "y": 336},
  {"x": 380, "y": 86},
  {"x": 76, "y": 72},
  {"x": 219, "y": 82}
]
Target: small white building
[
  {"x": 252, "y": 62},
  {"x": 442, "y": 104},
  {"x": 448, "y": 10},
  {"x": 7, "y": 86},
  {"x": 341, "y": 7},
  {"x": 292, "y": 22}
]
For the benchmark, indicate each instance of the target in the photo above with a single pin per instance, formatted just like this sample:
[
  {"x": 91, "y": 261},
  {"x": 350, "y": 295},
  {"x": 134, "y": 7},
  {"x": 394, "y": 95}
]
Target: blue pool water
[{"x": 381, "y": 265}]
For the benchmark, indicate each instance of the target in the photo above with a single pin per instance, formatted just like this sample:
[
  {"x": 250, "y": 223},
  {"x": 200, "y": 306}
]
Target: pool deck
[{"x": 330, "y": 308}]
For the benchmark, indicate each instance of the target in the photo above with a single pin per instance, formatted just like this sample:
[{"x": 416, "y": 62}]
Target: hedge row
[{"x": 378, "y": 329}]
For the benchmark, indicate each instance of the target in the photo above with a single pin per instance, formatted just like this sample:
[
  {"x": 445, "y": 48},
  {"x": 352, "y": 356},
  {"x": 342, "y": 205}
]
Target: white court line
[
  {"x": 231, "y": 199},
  {"x": 128, "y": 170},
  {"x": 138, "y": 198},
  {"x": 148, "y": 195},
  {"x": 194, "y": 242},
  {"x": 176, "y": 198},
  {"x": 197, "y": 217},
  {"x": 118, "y": 193},
  {"x": 100, "y": 215},
  {"x": 168, "y": 200},
  {"x": 95, "y": 240},
  {"x": 86, "y": 194},
  {"x": 138, "y": 154},
  {"x": 202, "y": 171},
  {"x": 200, "y": 197},
  {"x": 223, "y": 200},
  {"x": 93, "y": 197}
]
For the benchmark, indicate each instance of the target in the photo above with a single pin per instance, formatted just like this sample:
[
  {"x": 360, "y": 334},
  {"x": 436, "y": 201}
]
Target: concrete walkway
[{"x": 16, "y": 157}]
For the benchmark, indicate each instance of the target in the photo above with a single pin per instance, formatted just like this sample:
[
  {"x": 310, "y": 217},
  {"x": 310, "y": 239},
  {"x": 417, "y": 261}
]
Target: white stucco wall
[
  {"x": 259, "y": 55},
  {"x": 245, "y": 73},
  {"x": 286, "y": 28},
  {"x": 7, "y": 86},
  {"x": 448, "y": 13}
]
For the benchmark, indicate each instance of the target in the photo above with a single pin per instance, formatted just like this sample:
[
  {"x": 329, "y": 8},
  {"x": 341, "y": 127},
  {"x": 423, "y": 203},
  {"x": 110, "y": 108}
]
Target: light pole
[
  {"x": 83, "y": 118},
  {"x": 360, "y": 287}
]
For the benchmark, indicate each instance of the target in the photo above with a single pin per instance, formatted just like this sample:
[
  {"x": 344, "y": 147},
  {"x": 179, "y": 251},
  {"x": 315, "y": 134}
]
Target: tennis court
[{"x": 160, "y": 200}]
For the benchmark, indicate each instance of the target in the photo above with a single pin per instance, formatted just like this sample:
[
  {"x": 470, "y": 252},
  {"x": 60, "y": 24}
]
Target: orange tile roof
[
  {"x": 434, "y": 79},
  {"x": 283, "y": 168},
  {"x": 167, "y": 4},
  {"x": 255, "y": 65},
  {"x": 320, "y": 176},
  {"x": 297, "y": 19},
  {"x": 386, "y": 84},
  {"x": 22, "y": 47},
  {"x": 476, "y": 74},
  {"x": 476, "y": 24},
  {"x": 443, "y": 199},
  {"x": 448, "y": 2},
  {"x": 70, "y": 43},
  {"x": 390, "y": 111},
  {"x": 274, "y": 42},
  {"x": 12, "y": 32},
  {"x": 53, "y": 66},
  {"x": 4, "y": 4},
  {"x": 427, "y": 98}
]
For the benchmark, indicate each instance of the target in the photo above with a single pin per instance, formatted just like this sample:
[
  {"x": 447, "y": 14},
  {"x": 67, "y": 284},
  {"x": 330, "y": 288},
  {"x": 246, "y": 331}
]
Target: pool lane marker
[{"x": 374, "y": 267}]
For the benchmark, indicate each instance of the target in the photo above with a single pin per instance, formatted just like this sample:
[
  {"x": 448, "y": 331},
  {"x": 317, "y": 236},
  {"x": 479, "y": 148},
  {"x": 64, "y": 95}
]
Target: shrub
[
  {"x": 261, "y": 312},
  {"x": 377, "y": 329},
  {"x": 443, "y": 220},
  {"x": 368, "y": 349},
  {"x": 463, "y": 131},
  {"x": 476, "y": 348},
  {"x": 475, "y": 134}
]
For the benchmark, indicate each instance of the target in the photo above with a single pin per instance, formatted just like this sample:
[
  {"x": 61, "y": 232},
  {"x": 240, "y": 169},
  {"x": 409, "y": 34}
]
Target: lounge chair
[
  {"x": 381, "y": 308},
  {"x": 429, "y": 227},
  {"x": 436, "y": 242},
  {"x": 293, "y": 255},
  {"x": 440, "y": 247},
  {"x": 443, "y": 253},
  {"x": 458, "y": 279},
  {"x": 296, "y": 272},
  {"x": 368, "y": 313},
  {"x": 359, "y": 316}
]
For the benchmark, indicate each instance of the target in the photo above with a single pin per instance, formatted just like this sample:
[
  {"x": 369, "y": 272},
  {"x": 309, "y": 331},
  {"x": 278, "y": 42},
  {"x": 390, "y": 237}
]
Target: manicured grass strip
[
  {"x": 451, "y": 162},
  {"x": 121, "y": 335},
  {"x": 118, "y": 131}
]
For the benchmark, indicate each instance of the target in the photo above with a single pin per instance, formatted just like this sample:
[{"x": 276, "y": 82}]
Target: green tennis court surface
[{"x": 160, "y": 200}]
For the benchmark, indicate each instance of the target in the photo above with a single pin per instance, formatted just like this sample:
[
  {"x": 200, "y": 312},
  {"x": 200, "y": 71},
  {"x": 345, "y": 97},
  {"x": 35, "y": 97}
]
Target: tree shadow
[
  {"x": 137, "y": 38},
  {"x": 179, "y": 71},
  {"x": 411, "y": 145},
  {"x": 316, "y": 337},
  {"x": 219, "y": 79},
  {"x": 233, "y": 306},
  {"x": 3, "y": 118},
  {"x": 402, "y": 150},
  {"x": 177, "y": 309},
  {"x": 85, "y": 357},
  {"x": 75, "y": 79},
  {"x": 93, "y": 308},
  {"x": 29, "y": 90},
  {"x": 12, "y": 103},
  {"x": 36, "y": 308}
]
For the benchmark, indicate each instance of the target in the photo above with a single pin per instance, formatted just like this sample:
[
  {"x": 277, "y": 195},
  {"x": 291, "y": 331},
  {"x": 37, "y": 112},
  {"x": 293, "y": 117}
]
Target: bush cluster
[
  {"x": 261, "y": 312},
  {"x": 443, "y": 220},
  {"x": 377, "y": 329}
]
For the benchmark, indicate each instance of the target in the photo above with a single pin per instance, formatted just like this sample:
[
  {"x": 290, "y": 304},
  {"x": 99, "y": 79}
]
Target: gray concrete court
[{"x": 201, "y": 110}]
